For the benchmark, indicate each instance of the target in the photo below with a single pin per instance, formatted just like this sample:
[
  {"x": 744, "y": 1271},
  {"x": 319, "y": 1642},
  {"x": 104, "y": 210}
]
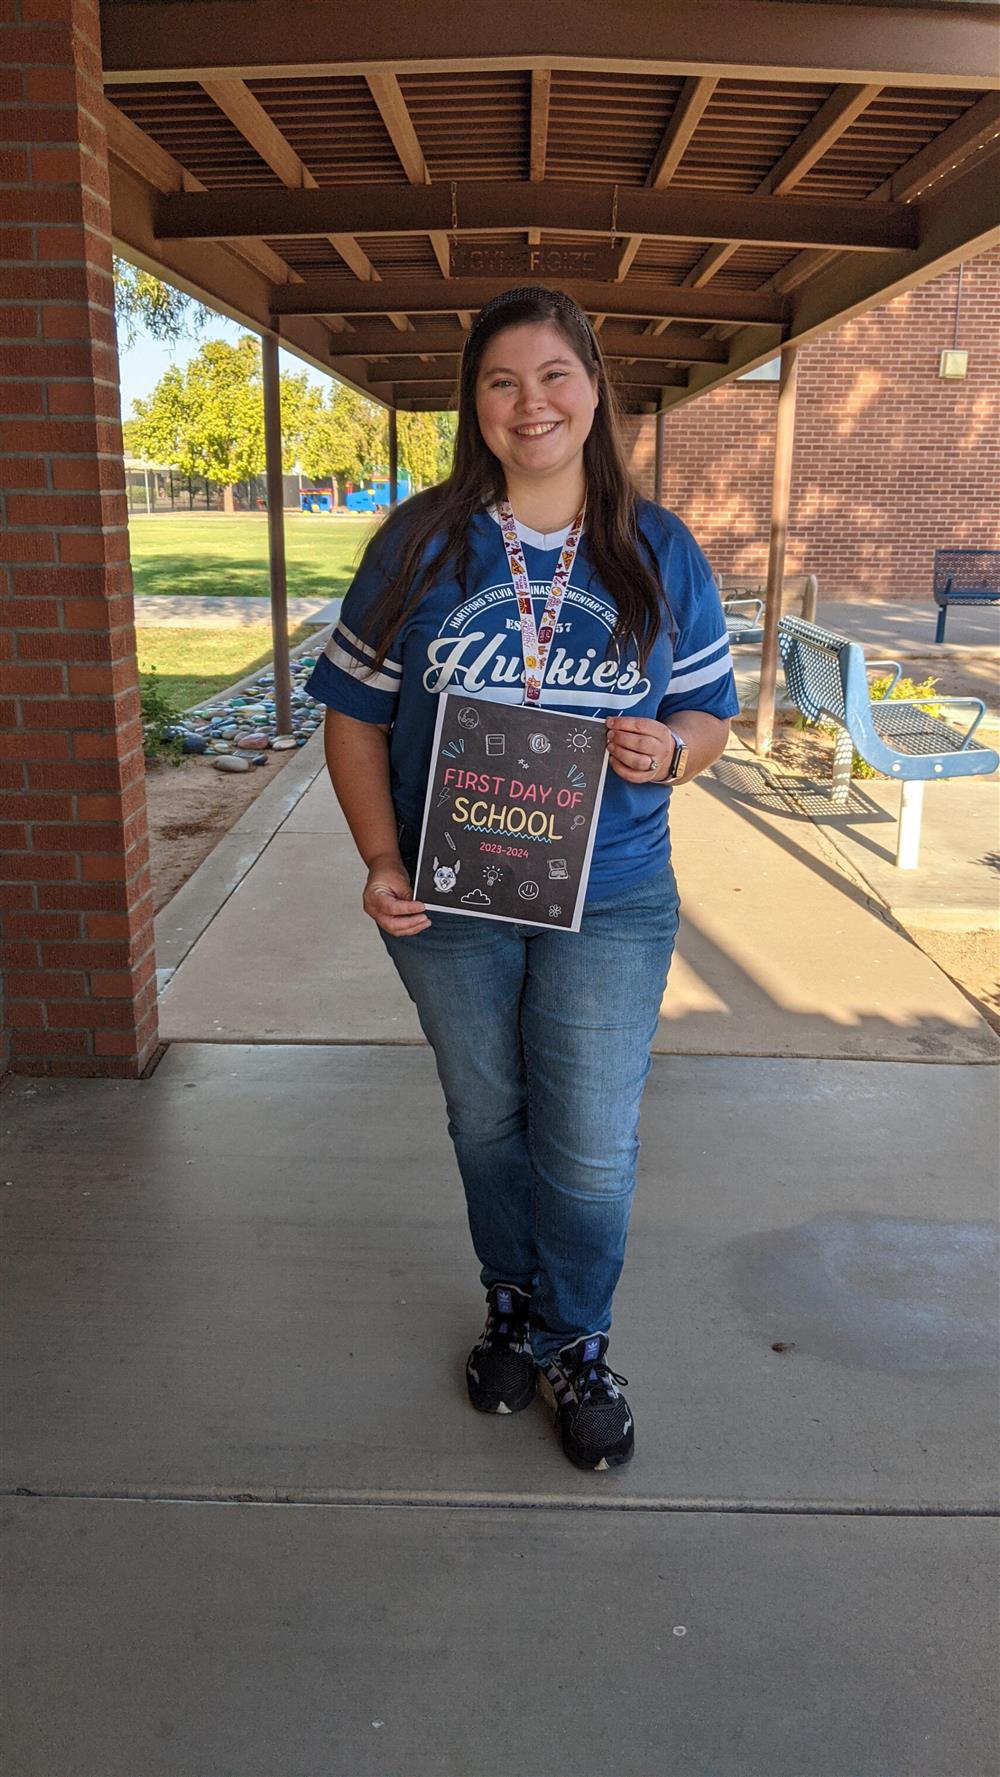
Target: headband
[{"x": 534, "y": 293}]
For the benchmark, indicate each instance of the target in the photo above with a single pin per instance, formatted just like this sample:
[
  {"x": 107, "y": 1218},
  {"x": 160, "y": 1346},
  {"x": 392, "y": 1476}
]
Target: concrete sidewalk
[
  {"x": 184, "y": 611},
  {"x": 779, "y": 954},
  {"x": 254, "y": 1528}
]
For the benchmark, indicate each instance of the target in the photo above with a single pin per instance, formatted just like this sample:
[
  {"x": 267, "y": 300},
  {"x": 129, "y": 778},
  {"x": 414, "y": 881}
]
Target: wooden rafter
[
  {"x": 373, "y": 339},
  {"x": 247, "y": 115},
  {"x": 692, "y": 101},
  {"x": 432, "y": 296},
  {"x": 388, "y": 95},
  {"x": 834, "y": 116},
  {"x": 498, "y": 206},
  {"x": 139, "y": 151},
  {"x": 541, "y": 92},
  {"x": 967, "y": 136}
]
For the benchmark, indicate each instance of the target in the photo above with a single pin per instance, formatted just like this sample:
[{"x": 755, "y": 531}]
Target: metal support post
[
  {"x": 276, "y": 537},
  {"x": 784, "y": 443},
  {"x": 911, "y": 807},
  {"x": 843, "y": 759},
  {"x": 661, "y": 420},
  {"x": 393, "y": 458}
]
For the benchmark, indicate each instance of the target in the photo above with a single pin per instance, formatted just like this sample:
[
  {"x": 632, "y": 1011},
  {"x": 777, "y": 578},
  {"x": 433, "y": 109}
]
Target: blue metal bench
[
  {"x": 744, "y": 619},
  {"x": 827, "y": 678},
  {"x": 964, "y": 577},
  {"x": 743, "y": 603}
]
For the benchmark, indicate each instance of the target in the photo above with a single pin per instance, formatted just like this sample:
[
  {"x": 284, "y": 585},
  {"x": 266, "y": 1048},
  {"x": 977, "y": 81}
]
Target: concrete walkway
[
  {"x": 180, "y": 611},
  {"x": 254, "y": 1529},
  {"x": 780, "y": 953}
]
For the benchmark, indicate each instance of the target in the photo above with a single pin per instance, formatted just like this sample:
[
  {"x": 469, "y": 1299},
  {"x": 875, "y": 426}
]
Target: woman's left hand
[{"x": 639, "y": 748}]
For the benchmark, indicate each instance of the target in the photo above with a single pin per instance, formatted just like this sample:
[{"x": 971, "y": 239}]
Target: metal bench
[
  {"x": 744, "y": 619},
  {"x": 743, "y": 603},
  {"x": 964, "y": 577},
  {"x": 827, "y": 678}
]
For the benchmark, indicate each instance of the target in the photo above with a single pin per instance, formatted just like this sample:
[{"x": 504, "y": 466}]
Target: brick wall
[
  {"x": 890, "y": 462},
  {"x": 77, "y": 903}
]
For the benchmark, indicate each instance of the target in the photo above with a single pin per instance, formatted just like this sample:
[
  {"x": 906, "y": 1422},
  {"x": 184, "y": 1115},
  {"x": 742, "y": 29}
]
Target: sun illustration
[{"x": 578, "y": 739}]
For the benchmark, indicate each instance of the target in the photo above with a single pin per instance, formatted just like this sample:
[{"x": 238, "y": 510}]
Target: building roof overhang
[{"x": 710, "y": 183}]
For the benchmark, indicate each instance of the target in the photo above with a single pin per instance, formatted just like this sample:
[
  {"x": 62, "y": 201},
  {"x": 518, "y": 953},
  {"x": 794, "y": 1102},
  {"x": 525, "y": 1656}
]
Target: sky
[{"x": 143, "y": 363}]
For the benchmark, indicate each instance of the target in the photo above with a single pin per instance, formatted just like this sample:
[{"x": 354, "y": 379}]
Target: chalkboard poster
[{"x": 512, "y": 803}]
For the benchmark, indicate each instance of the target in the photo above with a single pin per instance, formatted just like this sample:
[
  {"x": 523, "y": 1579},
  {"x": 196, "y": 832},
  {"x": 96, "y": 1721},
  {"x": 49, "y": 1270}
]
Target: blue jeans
[{"x": 542, "y": 1042}]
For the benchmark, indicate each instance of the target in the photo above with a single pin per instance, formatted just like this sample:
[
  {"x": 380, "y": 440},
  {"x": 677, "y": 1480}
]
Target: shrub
[
  {"x": 901, "y": 691},
  {"x": 161, "y": 739}
]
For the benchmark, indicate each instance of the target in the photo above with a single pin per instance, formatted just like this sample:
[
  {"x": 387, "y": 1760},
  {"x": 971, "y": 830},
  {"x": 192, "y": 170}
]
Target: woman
[{"x": 542, "y": 1038}]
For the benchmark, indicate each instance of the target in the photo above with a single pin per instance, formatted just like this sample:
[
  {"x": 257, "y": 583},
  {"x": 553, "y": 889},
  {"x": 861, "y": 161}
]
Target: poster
[{"x": 513, "y": 797}]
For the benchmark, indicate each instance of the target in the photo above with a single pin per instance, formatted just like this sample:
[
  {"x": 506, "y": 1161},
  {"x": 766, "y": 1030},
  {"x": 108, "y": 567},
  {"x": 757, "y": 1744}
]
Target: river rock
[
  {"x": 195, "y": 743},
  {"x": 282, "y": 743},
  {"x": 252, "y": 742},
  {"x": 231, "y": 762}
]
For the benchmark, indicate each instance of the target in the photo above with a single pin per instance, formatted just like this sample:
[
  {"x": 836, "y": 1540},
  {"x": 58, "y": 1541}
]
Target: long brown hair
[{"x": 620, "y": 555}]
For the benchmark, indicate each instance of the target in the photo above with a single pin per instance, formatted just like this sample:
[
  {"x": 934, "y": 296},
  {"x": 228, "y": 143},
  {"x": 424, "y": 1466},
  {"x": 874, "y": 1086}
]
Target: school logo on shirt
[{"x": 478, "y": 651}]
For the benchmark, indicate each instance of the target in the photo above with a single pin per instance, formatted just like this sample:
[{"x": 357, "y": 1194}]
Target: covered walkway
[
  {"x": 259, "y": 1528},
  {"x": 252, "y": 1528}
]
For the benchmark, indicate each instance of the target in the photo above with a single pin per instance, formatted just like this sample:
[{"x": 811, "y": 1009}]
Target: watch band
[{"x": 679, "y": 760}]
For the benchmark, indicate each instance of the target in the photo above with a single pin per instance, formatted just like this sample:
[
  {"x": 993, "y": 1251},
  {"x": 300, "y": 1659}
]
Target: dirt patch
[
  {"x": 970, "y": 959},
  {"x": 190, "y": 806}
]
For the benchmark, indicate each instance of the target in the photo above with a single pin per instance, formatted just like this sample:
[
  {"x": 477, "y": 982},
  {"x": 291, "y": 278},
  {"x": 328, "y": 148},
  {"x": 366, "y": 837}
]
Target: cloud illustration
[{"x": 476, "y": 898}]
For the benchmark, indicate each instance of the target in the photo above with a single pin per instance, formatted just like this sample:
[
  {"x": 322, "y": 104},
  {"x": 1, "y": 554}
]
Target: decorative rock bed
[{"x": 241, "y": 729}]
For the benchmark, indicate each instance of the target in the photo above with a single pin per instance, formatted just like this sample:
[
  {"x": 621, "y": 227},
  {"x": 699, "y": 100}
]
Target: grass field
[
  {"x": 206, "y": 553},
  {"x": 192, "y": 664}
]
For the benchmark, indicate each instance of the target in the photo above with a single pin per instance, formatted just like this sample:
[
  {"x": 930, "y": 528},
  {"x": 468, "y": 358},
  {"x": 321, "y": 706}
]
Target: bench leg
[
  {"x": 843, "y": 759},
  {"x": 911, "y": 807},
  {"x": 942, "y": 614}
]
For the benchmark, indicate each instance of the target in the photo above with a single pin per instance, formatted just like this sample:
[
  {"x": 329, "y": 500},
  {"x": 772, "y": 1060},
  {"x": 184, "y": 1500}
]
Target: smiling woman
[{"x": 538, "y": 512}]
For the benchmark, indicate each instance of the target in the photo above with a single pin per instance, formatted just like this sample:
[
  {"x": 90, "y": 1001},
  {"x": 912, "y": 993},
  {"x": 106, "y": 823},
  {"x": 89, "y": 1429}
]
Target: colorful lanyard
[{"x": 535, "y": 644}]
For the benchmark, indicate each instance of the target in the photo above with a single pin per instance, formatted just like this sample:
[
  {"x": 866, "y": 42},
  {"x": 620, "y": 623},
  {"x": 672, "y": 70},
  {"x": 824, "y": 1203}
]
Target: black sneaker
[
  {"x": 501, "y": 1371},
  {"x": 597, "y": 1426}
]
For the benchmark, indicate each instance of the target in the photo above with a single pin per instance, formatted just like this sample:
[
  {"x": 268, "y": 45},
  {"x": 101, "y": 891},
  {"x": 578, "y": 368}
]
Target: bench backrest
[
  {"x": 818, "y": 667},
  {"x": 966, "y": 570},
  {"x": 802, "y": 589}
]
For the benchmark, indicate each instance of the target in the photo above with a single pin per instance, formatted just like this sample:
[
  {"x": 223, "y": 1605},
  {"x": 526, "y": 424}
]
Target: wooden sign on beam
[{"x": 593, "y": 259}]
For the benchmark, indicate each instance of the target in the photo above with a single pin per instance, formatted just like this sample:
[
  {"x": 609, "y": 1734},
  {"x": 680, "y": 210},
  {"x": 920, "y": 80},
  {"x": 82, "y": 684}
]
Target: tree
[
  {"x": 419, "y": 448},
  {"x": 145, "y": 304},
  {"x": 207, "y": 418},
  {"x": 447, "y": 425}
]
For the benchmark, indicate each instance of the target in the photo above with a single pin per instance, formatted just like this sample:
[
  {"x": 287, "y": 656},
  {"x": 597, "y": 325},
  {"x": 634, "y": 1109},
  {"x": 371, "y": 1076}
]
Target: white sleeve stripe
[
  {"x": 717, "y": 669},
  {"x": 356, "y": 669},
  {"x": 363, "y": 648},
  {"x": 689, "y": 659}
]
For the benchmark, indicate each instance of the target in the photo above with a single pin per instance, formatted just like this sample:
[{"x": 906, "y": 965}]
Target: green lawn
[
  {"x": 193, "y": 664},
  {"x": 217, "y": 552}
]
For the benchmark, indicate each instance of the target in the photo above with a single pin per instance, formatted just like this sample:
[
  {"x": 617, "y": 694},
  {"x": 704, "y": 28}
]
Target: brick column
[{"x": 78, "y": 914}]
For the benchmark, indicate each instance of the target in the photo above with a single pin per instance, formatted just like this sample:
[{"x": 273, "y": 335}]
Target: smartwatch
[{"x": 679, "y": 761}]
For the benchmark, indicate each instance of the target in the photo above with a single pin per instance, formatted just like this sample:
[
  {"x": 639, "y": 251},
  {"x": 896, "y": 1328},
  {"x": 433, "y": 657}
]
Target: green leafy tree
[
  {"x": 145, "y": 304},
  {"x": 446, "y": 424},
  {"x": 419, "y": 448},
  {"x": 207, "y": 417}
]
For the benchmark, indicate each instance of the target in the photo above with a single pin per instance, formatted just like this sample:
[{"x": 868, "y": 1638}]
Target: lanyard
[{"x": 535, "y": 644}]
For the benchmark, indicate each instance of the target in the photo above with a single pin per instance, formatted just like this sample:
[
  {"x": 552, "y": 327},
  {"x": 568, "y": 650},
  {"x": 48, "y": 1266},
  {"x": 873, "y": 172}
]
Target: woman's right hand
[{"x": 388, "y": 899}]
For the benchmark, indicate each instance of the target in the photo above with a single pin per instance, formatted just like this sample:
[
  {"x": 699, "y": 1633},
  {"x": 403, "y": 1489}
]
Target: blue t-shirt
[{"x": 470, "y": 642}]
